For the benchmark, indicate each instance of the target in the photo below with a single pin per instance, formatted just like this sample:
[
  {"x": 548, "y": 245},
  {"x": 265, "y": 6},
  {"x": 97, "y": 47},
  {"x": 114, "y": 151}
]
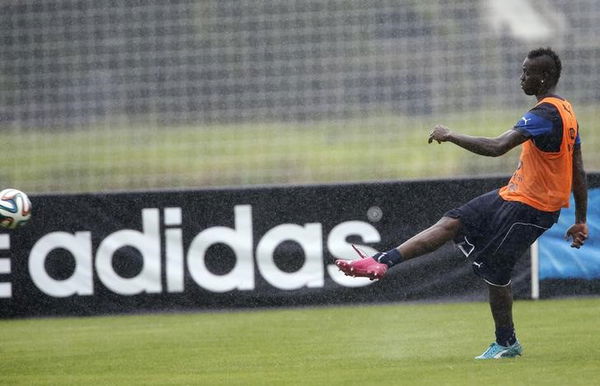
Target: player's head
[{"x": 541, "y": 71}]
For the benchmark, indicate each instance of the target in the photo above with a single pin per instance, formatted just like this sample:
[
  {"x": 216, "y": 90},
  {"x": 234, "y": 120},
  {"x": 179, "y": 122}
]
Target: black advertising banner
[{"x": 223, "y": 248}]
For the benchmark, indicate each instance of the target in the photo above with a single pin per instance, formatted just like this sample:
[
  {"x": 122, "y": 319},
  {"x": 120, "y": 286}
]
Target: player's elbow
[
  {"x": 505, "y": 142},
  {"x": 499, "y": 147},
  {"x": 579, "y": 178},
  {"x": 501, "y": 151},
  {"x": 497, "y": 150}
]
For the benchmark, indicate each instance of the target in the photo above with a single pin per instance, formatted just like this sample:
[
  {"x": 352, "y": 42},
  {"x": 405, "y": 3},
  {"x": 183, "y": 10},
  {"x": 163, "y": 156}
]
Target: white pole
[{"x": 535, "y": 271}]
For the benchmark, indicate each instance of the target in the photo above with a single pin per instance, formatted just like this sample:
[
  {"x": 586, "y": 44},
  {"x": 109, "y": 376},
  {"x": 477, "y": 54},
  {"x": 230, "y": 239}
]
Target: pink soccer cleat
[{"x": 365, "y": 267}]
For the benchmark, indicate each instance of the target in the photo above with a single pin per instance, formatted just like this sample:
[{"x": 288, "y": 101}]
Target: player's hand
[
  {"x": 578, "y": 233},
  {"x": 439, "y": 133}
]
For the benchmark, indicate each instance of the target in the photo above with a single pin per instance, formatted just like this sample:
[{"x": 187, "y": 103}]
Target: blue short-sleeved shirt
[{"x": 544, "y": 126}]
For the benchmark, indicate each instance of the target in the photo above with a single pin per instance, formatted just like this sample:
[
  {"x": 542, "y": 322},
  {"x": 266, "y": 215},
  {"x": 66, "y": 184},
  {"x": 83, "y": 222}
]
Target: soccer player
[{"x": 496, "y": 228}]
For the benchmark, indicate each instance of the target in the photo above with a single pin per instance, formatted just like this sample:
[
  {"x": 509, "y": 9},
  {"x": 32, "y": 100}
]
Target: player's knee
[{"x": 448, "y": 226}]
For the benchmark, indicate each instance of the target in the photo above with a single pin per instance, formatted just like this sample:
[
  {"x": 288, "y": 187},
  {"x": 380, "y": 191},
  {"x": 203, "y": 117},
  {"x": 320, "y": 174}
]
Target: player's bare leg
[
  {"x": 501, "y": 301},
  {"x": 506, "y": 345},
  {"x": 430, "y": 239},
  {"x": 427, "y": 241}
]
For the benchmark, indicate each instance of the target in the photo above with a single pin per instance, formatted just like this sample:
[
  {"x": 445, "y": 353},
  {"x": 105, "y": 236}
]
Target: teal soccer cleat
[{"x": 496, "y": 351}]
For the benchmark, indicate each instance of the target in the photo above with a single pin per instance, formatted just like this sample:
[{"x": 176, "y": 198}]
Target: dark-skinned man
[{"x": 496, "y": 228}]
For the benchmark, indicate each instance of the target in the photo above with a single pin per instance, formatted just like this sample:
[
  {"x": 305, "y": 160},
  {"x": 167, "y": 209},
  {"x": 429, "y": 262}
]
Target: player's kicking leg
[{"x": 375, "y": 267}]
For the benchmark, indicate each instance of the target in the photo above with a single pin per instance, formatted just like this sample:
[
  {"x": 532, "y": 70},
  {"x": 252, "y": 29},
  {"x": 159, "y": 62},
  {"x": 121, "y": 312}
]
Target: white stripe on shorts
[{"x": 511, "y": 228}]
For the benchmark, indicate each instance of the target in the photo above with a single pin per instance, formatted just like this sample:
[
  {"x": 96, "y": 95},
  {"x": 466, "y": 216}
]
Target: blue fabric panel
[
  {"x": 558, "y": 260},
  {"x": 534, "y": 125}
]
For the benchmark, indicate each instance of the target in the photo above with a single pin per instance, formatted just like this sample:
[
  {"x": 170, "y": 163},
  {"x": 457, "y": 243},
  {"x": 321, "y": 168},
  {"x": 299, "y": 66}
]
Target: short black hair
[{"x": 555, "y": 69}]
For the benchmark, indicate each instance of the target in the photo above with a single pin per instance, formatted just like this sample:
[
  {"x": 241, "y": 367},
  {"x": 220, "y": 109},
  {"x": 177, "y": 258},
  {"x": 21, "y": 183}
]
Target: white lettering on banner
[
  {"x": 239, "y": 239},
  {"x": 174, "y": 250},
  {"x": 5, "y": 288},
  {"x": 147, "y": 243},
  {"x": 311, "y": 273},
  {"x": 339, "y": 248},
  {"x": 80, "y": 247}
]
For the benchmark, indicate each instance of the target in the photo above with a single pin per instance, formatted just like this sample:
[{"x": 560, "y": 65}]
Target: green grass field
[{"x": 398, "y": 344}]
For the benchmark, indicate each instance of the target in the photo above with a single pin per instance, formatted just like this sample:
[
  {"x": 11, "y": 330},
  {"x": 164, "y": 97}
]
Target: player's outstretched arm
[
  {"x": 491, "y": 147},
  {"x": 579, "y": 231}
]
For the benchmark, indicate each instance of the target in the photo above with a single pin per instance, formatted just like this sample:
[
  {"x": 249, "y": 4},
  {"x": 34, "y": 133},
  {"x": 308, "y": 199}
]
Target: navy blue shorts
[{"x": 495, "y": 233}]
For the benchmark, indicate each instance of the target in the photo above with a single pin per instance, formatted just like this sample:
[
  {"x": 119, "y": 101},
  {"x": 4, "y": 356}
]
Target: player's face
[{"x": 532, "y": 76}]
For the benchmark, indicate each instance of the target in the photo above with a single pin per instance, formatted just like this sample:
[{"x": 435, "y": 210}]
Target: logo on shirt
[{"x": 525, "y": 120}]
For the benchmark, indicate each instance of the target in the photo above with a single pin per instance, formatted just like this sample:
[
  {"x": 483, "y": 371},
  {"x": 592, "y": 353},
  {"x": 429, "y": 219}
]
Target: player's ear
[{"x": 546, "y": 76}]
